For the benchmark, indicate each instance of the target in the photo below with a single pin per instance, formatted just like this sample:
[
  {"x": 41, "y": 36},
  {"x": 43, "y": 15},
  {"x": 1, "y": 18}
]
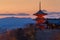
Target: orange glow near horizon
[
  {"x": 16, "y": 6},
  {"x": 28, "y": 6}
]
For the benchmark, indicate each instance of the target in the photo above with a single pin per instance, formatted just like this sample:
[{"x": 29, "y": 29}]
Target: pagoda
[{"x": 40, "y": 20}]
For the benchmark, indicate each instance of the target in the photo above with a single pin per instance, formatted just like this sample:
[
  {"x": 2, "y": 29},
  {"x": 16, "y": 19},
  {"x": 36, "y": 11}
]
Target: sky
[
  {"x": 16, "y": 6},
  {"x": 28, "y": 6},
  {"x": 51, "y": 5}
]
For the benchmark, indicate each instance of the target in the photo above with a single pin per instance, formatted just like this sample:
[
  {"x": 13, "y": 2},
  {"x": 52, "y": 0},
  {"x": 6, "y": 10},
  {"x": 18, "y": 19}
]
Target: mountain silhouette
[
  {"x": 19, "y": 14},
  {"x": 11, "y": 23}
]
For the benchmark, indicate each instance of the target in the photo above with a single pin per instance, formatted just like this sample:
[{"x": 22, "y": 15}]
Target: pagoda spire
[{"x": 39, "y": 5}]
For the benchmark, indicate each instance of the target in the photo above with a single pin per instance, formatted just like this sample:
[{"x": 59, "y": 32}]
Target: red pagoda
[{"x": 40, "y": 20}]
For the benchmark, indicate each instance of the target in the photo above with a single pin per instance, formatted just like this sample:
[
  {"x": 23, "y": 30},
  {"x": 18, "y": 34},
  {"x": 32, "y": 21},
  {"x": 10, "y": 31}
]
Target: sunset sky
[{"x": 28, "y": 6}]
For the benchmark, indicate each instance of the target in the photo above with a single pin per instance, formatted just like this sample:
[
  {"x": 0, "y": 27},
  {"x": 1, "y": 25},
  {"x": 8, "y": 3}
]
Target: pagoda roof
[{"x": 40, "y": 12}]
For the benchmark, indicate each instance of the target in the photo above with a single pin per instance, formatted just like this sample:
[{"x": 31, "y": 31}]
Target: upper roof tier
[{"x": 40, "y": 12}]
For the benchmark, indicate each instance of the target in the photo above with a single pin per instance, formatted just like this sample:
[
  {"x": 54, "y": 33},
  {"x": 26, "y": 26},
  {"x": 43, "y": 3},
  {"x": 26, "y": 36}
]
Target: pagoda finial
[{"x": 40, "y": 5}]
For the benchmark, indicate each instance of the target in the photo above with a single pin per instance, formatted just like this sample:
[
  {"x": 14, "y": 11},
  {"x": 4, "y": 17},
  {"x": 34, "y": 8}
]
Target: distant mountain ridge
[
  {"x": 19, "y": 14},
  {"x": 11, "y": 23},
  {"x": 53, "y": 15}
]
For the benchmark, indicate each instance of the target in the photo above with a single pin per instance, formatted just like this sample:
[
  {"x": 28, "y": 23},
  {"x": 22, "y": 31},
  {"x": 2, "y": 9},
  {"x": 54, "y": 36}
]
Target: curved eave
[{"x": 40, "y": 12}]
